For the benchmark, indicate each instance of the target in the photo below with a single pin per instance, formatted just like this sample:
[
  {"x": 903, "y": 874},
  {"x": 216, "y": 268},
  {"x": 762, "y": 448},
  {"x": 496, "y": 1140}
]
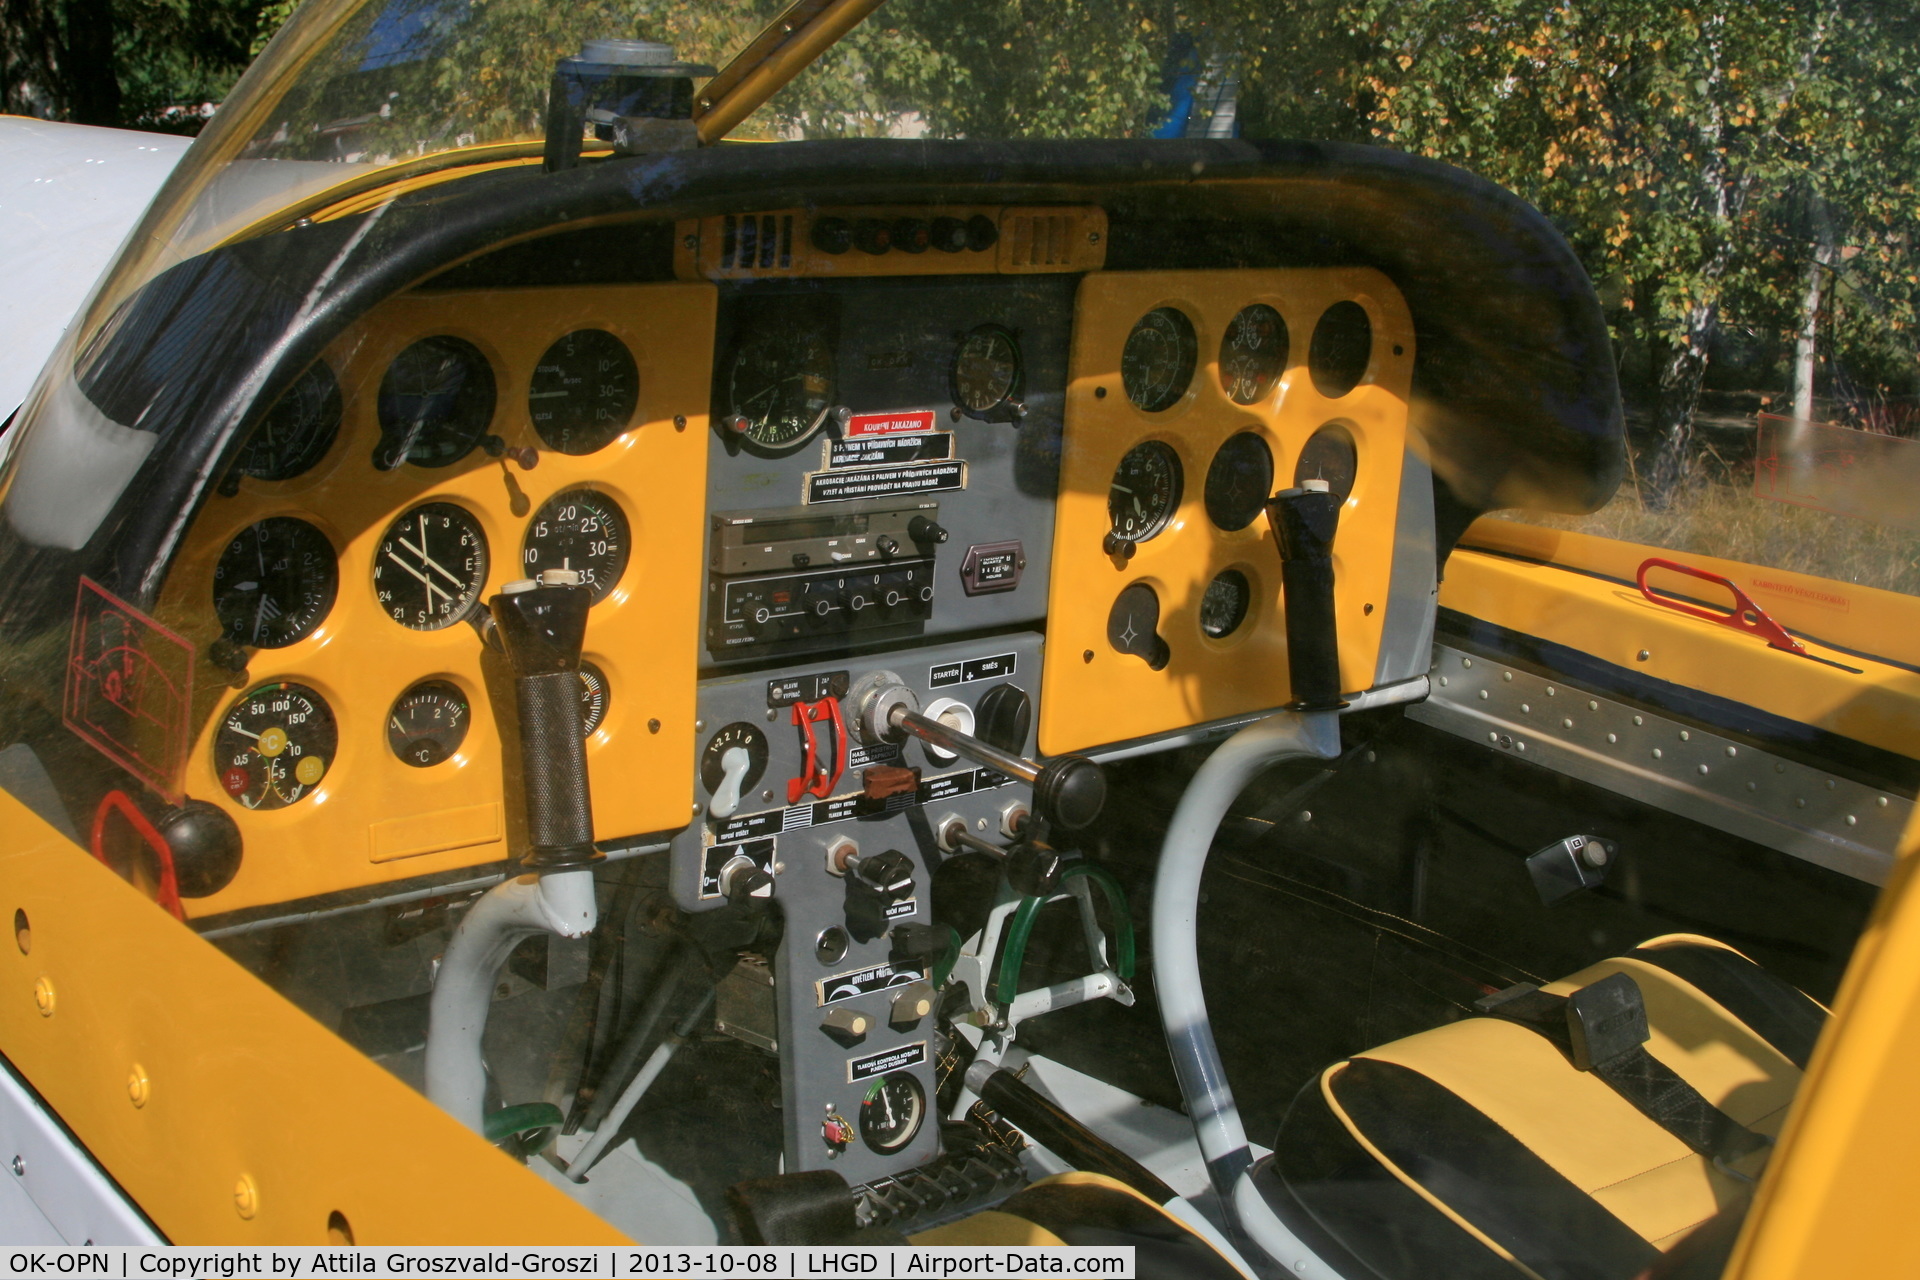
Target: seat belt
[{"x": 1602, "y": 1029}]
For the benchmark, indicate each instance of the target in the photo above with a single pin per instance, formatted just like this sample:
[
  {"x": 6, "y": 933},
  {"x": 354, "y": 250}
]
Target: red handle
[
  {"x": 816, "y": 778},
  {"x": 168, "y": 894},
  {"x": 1745, "y": 616}
]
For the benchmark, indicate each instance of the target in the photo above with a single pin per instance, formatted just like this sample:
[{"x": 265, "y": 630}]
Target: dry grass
[{"x": 1715, "y": 518}]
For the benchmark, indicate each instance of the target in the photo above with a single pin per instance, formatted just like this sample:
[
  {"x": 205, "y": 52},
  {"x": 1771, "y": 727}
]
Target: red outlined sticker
[
  {"x": 129, "y": 688},
  {"x": 864, "y": 425}
]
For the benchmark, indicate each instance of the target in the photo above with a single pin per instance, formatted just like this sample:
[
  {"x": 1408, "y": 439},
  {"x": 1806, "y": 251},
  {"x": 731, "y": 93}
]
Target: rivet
[
  {"x": 699, "y": 726},
  {"x": 139, "y": 1088},
  {"x": 1778, "y": 767},
  {"x": 1443, "y": 682},
  {"x": 772, "y": 715},
  {"x": 1732, "y": 752},
  {"x": 980, "y": 824},
  {"x": 22, "y": 932},
  {"x": 1852, "y": 821},
  {"x": 1800, "y": 804},
  {"x": 1638, "y": 720},
  {"x": 1306, "y": 815},
  {"x": 696, "y": 808},
  {"x": 1830, "y": 784},
  {"x": 1519, "y": 746},
  {"x": 767, "y": 794},
  {"x": 1656, "y": 753},
  {"x": 1644, "y": 654},
  {"x": 653, "y": 726},
  {"x": 1551, "y": 691},
  {"x": 1882, "y": 802},
  {"x": 679, "y": 422},
  {"x": 246, "y": 1197},
  {"x": 1466, "y": 662},
  {"x": 1566, "y": 723},
  {"x": 1484, "y": 695},
  {"x": 1493, "y": 737},
  {"x": 1372, "y": 756},
  {"x": 19, "y": 1167},
  {"x": 1526, "y": 709},
  {"x": 1753, "y": 786},
  {"x": 1613, "y": 737},
  {"x": 1086, "y": 655},
  {"x": 43, "y": 997},
  {"x": 1507, "y": 676},
  {"x": 1703, "y": 769},
  {"x": 1685, "y": 736},
  {"x": 1592, "y": 705},
  {"x": 1099, "y": 393}
]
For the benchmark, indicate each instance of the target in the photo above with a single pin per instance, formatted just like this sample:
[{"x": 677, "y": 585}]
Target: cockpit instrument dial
[
  {"x": 1223, "y": 607},
  {"x": 595, "y": 694},
  {"x": 1157, "y": 363},
  {"x": 1144, "y": 491},
  {"x": 584, "y": 392},
  {"x": 986, "y": 370},
  {"x": 275, "y": 745},
  {"x": 891, "y": 1112},
  {"x": 1239, "y": 481},
  {"x": 581, "y": 529},
  {"x": 274, "y": 583},
  {"x": 430, "y": 566},
  {"x": 781, "y": 382},
  {"x": 436, "y": 402},
  {"x": 428, "y": 723},
  {"x": 736, "y": 754},
  {"x": 297, "y": 431},
  {"x": 1329, "y": 455},
  {"x": 1253, "y": 354}
]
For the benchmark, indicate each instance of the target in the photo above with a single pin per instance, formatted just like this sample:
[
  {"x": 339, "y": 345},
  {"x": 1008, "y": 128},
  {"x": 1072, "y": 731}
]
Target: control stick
[
  {"x": 1304, "y": 521},
  {"x": 1068, "y": 792}
]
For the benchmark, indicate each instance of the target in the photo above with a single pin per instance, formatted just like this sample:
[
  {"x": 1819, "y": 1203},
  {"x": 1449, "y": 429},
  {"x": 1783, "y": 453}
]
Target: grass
[{"x": 1718, "y": 515}]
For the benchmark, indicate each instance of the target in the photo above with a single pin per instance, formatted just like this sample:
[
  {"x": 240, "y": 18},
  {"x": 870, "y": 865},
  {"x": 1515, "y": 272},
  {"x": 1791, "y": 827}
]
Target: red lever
[
  {"x": 815, "y": 776},
  {"x": 1746, "y": 615},
  {"x": 168, "y": 894}
]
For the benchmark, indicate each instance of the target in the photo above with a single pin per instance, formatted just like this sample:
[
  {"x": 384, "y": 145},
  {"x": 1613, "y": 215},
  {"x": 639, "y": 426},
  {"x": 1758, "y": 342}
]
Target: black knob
[
  {"x": 1070, "y": 791},
  {"x": 949, "y": 235},
  {"x": 886, "y": 545},
  {"x": 856, "y": 601},
  {"x": 915, "y": 944},
  {"x": 745, "y": 883},
  {"x": 921, "y": 529},
  {"x": 1033, "y": 870},
  {"x": 888, "y": 874},
  {"x": 801, "y": 559},
  {"x": 912, "y": 235},
  {"x": 205, "y": 843},
  {"x": 832, "y": 235},
  {"x": 981, "y": 233},
  {"x": 873, "y": 235},
  {"x": 1115, "y": 545}
]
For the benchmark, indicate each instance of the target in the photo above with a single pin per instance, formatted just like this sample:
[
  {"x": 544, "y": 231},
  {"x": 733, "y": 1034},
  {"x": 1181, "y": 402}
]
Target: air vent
[
  {"x": 797, "y": 242},
  {"x": 1055, "y": 239}
]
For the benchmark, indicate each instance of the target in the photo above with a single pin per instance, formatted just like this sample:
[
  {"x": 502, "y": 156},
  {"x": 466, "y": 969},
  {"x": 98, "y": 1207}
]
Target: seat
[
  {"x": 1479, "y": 1150},
  {"x": 1091, "y": 1209}
]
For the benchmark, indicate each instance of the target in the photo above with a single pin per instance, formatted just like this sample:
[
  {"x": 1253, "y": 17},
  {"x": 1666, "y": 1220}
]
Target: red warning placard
[
  {"x": 864, "y": 425},
  {"x": 129, "y": 688}
]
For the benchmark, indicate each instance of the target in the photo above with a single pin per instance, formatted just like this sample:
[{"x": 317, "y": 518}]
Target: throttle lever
[{"x": 1069, "y": 791}]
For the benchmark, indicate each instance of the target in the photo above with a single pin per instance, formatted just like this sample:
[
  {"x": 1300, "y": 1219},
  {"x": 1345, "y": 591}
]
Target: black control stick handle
[
  {"x": 542, "y": 627},
  {"x": 1068, "y": 792},
  {"x": 1304, "y": 521}
]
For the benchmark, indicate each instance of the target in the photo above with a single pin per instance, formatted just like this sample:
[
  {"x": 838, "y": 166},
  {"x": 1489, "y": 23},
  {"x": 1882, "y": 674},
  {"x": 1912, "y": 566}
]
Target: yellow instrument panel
[
  {"x": 369, "y": 816},
  {"x": 1168, "y": 370}
]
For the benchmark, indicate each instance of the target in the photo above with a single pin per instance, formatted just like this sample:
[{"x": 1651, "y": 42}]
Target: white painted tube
[{"x": 560, "y": 902}]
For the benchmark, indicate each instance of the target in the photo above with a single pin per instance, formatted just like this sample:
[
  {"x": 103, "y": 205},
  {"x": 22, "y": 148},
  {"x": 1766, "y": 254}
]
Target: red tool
[
  {"x": 818, "y": 776},
  {"x": 168, "y": 893},
  {"x": 1745, "y": 616}
]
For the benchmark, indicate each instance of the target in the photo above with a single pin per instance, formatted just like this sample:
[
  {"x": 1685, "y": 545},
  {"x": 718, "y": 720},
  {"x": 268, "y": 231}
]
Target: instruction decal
[
  {"x": 885, "y": 482},
  {"x": 887, "y": 1061},
  {"x": 129, "y": 688},
  {"x": 864, "y": 982},
  {"x": 918, "y": 422},
  {"x": 875, "y": 451},
  {"x": 758, "y": 852},
  {"x": 952, "y": 673}
]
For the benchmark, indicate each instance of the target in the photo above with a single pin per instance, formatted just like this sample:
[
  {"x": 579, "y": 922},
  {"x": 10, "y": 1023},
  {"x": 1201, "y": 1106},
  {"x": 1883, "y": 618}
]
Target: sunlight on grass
[{"x": 1720, "y": 520}]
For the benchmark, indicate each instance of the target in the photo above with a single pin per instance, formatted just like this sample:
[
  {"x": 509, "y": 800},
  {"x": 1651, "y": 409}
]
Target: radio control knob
[
  {"x": 921, "y": 529},
  {"x": 926, "y": 594},
  {"x": 856, "y": 602},
  {"x": 886, "y": 545},
  {"x": 893, "y": 598}
]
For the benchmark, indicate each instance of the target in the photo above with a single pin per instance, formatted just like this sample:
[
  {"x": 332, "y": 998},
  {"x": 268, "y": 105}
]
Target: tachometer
[
  {"x": 297, "y": 431},
  {"x": 781, "y": 383},
  {"x": 436, "y": 402},
  {"x": 274, "y": 583},
  {"x": 428, "y": 723},
  {"x": 581, "y": 529},
  {"x": 986, "y": 370},
  {"x": 1157, "y": 363},
  {"x": 275, "y": 745},
  {"x": 1144, "y": 491},
  {"x": 584, "y": 392},
  {"x": 430, "y": 566},
  {"x": 1253, "y": 354}
]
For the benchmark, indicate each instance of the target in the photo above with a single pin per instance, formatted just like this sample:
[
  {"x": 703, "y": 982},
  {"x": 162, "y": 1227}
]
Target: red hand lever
[
  {"x": 168, "y": 894},
  {"x": 816, "y": 777},
  {"x": 1746, "y": 615}
]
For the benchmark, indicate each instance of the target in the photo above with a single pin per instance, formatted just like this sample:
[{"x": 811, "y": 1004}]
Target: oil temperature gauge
[
  {"x": 275, "y": 745},
  {"x": 429, "y": 723},
  {"x": 891, "y": 1112}
]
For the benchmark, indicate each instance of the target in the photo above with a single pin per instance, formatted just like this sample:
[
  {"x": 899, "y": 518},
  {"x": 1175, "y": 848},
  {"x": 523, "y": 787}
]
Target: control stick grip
[
  {"x": 1304, "y": 521},
  {"x": 542, "y": 628}
]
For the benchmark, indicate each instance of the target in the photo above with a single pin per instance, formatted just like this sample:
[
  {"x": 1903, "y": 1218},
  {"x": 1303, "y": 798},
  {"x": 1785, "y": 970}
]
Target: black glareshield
[
  {"x": 542, "y": 630},
  {"x": 1304, "y": 522}
]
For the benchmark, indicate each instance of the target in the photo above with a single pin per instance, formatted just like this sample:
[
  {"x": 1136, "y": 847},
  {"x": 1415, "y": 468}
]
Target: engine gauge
[
  {"x": 436, "y": 402},
  {"x": 1239, "y": 481},
  {"x": 781, "y": 382},
  {"x": 581, "y": 529},
  {"x": 595, "y": 695},
  {"x": 716, "y": 760},
  {"x": 297, "y": 431},
  {"x": 1157, "y": 363},
  {"x": 1253, "y": 354},
  {"x": 430, "y": 566},
  {"x": 428, "y": 723},
  {"x": 274, "y": 583},
  {"x": 986, "y": 370},
  {"x": 1341, "y": 349},
  {"x": 891, "y": 1113},
  {"x": 275, "y": 745},
  {"x": 1223, "y": 607},
  {"x": 584, "y": 392},
  {"x": 1144, "y": 491},
  {"x": 1329, "y": 455}
]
